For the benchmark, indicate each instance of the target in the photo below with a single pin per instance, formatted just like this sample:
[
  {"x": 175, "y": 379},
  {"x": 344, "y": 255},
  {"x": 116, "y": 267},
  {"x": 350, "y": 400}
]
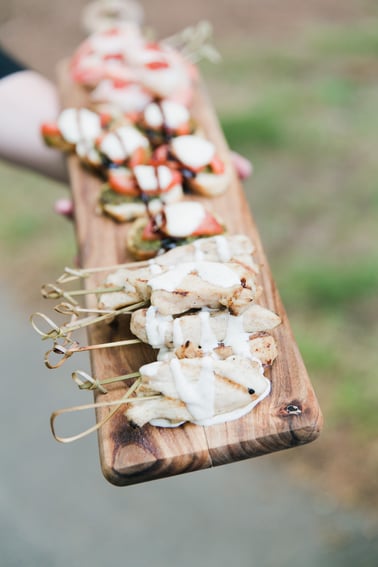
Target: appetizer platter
[{"x": 193, "y": 360}]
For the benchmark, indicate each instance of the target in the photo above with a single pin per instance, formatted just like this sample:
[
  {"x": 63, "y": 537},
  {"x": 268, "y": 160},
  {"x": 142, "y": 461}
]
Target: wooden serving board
[{"x": 289, "y": 416}]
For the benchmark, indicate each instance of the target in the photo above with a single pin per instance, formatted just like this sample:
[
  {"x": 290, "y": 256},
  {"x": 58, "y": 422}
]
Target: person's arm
[{"x": 26, "y": 100}]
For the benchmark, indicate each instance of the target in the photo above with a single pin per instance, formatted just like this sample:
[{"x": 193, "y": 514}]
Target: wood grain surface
[{"x": 289, "y": 416}]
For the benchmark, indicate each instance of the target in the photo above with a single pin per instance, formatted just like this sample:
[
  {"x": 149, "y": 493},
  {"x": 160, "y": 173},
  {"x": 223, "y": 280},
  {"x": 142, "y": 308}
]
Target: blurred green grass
[
  {"x": 305, "y": 112},
  {"x": 34, "y": 242}
]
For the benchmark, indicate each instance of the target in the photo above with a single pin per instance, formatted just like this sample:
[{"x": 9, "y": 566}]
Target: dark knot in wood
[{"x": 294, "y": 408}]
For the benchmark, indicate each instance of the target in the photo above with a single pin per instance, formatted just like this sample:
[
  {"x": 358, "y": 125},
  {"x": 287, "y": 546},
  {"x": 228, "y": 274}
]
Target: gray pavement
[{"x": 56, "y": 509}]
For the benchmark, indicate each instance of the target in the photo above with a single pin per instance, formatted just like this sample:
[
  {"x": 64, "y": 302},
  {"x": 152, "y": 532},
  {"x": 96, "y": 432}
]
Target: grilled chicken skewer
[
  {"x": 204, "y": 327},
  {"x": 186, "y": 286},
  {"x": 237, "y": 248},
  {"x": 203, "y": 391},
  {"x": 128, "y": 289},
  {"x": 204, "y": 332}
]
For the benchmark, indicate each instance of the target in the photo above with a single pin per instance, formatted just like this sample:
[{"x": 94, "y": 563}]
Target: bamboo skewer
[{"x": 67, "y": 353}]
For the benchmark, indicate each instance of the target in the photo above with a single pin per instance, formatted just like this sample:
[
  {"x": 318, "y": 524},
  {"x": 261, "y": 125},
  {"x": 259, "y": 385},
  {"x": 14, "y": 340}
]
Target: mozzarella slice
[
  {"x": 121, "y": 143},
  {"x": 79, "y": 124},
  {"x": 169, "y": 113},
  {"x": 193, "y": 151},
  {"x": 182, "y": 219},
  {"x": 150, "y": 178}
]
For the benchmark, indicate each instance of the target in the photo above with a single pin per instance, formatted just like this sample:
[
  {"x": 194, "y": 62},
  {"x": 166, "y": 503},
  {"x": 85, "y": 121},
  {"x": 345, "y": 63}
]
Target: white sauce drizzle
[
  {"x": 155, "y": 268},
  {"x": 164, "y": 354},
  {"x": 198, "y": 254},
  {"x": 223, "y": 248},
  {"x": 156, "y": 327},
  {"x": 236, "y": 337},
  {"x": 178, "y": 338},
  {"x": 150, "y": 369},
  {"x": 208, "y": 340},
  {"x": 165, "y": 423},
  {"x": 198, "y": 396},
  {"x": 237, "y": 413},
  {"x": 212, "y": 272}
]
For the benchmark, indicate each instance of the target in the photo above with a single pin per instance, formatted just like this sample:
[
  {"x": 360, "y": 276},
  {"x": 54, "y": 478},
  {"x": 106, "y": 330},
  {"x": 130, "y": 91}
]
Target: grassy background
[{"x": 305, "y": 113}]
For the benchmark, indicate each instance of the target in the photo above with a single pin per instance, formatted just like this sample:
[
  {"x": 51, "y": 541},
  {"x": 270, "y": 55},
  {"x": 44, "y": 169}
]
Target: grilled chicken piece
[
  {"x": 204, "y": 328},
  {"x": 192, "y": 285},
  {"x": 162, "y": 411},
  {"x": 260, "y": 345},
  {"x": 208, "y": 175},
  {"x": 237, "y": 248},
  {"x": 222, "y": 248},
  {"x": 135, "y": 288},
  {"x": 212, "y": 391},
  {"x": 200, "y": 333},
  {"x": 186, "y": 286}
]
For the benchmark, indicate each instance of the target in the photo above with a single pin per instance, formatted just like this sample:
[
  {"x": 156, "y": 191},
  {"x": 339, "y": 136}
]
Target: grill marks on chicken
[
  {"x": 187, "y": 286},
  {"x": 192, "y": 285},
  {"x": 202, "y": 332},
  {"x": 213, "y": 338},
  {"x": 201, "y": 390},
  {"x": 237, "y": 249}
]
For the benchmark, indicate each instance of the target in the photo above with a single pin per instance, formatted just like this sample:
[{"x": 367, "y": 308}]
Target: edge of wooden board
[{"x": 131, "y": 455}]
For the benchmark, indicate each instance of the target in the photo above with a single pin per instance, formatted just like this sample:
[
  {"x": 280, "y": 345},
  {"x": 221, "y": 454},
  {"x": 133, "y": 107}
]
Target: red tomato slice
[
  {"x": 120, "y": 83},
  {"x": 157, "y": 65},
  {"x": 133, "y": 117},
  {"x": 105, "y": 118},
  {"x": 139, "y": 157},
  {"x": 176, "y": 179},
  {"x": 149, "y": 233},
  {"x": 117, "y": 56},
  {"x": 217, "y": 165},
  {"x": 208, "y": 227},
  {"x": 154, "y": 46},
  {"x": 183, "y": 129},
  {"x": 122, "y": 183},
  {"x": 50, "y": 129}
]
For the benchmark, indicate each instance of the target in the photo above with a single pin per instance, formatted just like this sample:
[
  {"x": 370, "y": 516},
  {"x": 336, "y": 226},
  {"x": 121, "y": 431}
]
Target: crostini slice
[
  {"x": 173, "y": 225},
  {"x": 204, "y": 171}
]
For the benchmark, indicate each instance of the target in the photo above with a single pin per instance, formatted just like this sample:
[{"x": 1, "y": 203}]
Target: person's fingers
[
  {"x": 243, "y": 166},
  {"x": 64, "y": 207}
]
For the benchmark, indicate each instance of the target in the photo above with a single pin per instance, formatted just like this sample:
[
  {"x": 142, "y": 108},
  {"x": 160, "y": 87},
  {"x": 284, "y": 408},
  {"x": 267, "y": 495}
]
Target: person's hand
[
  {"x": 242, "y": 166},
  {"x": 64, "y": 207}
]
